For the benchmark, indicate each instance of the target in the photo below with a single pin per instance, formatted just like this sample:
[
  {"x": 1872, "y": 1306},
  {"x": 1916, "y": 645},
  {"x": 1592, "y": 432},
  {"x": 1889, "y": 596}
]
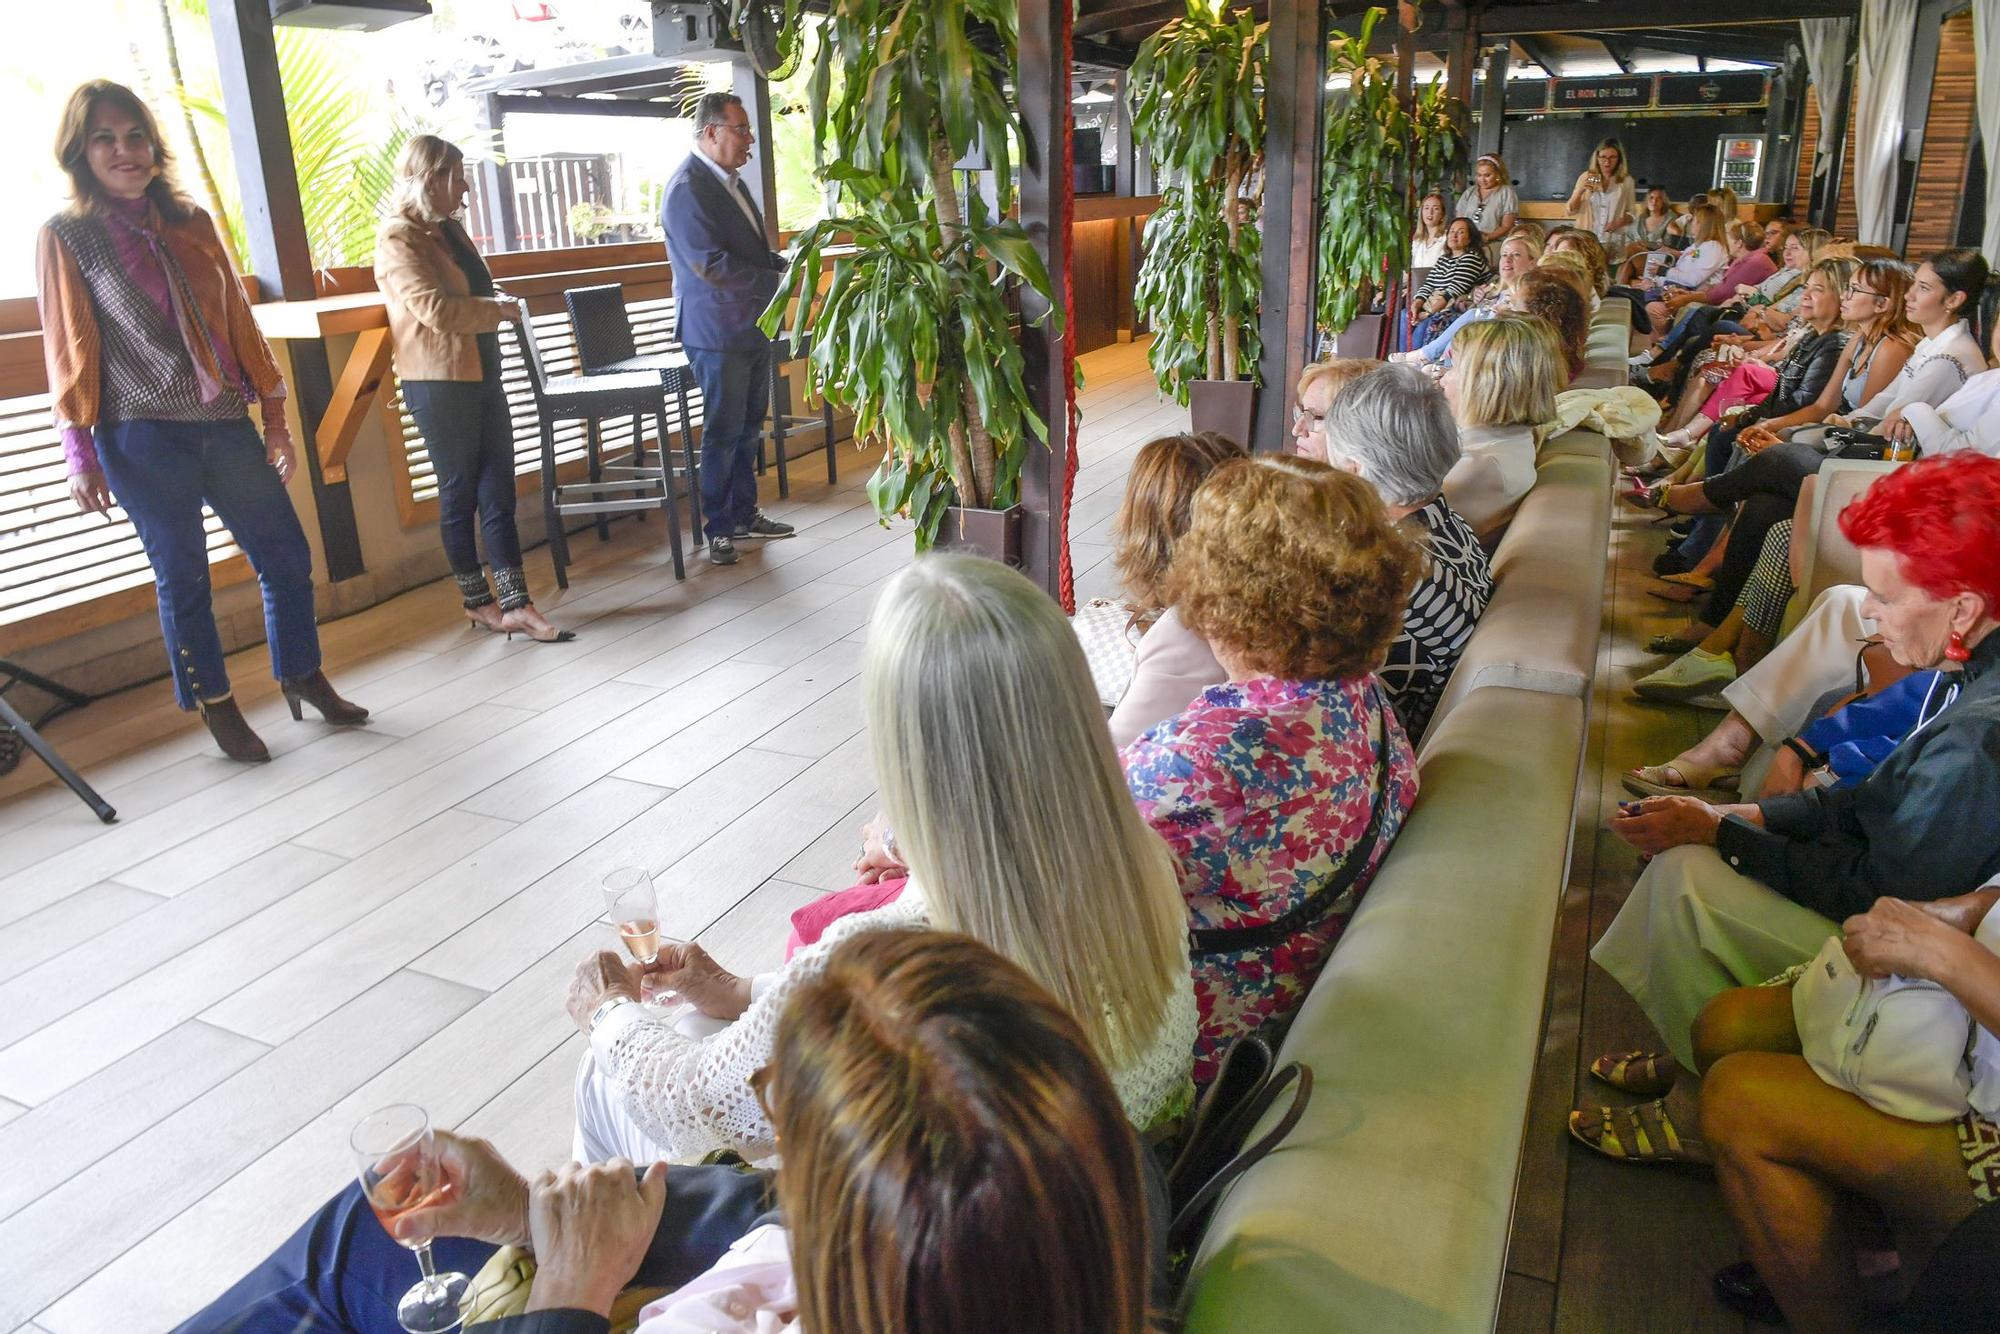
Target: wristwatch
[{"x": 606, "y": 1006}]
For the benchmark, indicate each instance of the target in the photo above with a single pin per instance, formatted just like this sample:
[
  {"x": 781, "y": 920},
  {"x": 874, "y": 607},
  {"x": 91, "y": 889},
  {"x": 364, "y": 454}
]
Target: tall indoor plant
[
  {"x": 1372, "y": 153},
  {"x": 1196, "y": 92},
  {"x": 912, "y": 331}
]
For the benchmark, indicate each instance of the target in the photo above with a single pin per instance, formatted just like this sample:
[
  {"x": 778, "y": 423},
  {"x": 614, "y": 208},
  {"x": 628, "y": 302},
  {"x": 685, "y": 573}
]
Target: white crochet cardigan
[{"x": 692, "y": 1095}]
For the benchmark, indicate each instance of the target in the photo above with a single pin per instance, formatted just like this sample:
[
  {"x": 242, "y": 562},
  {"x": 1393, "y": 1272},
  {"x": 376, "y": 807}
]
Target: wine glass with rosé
[
  {"x": 634, "y": 908},
  {"x": 396, "y": 1157}
]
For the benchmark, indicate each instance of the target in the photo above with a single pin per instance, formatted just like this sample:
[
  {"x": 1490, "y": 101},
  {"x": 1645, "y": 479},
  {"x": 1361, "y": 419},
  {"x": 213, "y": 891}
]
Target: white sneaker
[{"x": 1640, "y": 358}]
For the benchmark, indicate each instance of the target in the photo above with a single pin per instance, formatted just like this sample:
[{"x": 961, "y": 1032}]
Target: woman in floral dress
[{"x": 1280, "y": 790}]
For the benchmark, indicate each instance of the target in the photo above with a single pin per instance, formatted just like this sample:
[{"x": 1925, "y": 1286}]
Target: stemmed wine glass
[
  {"x": 634, "y": 906},
  {"x": 396, "y": 1157}
]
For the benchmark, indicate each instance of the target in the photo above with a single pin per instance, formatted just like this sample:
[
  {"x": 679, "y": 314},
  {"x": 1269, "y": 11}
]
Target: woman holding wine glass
[
  {"x": 1060, "y": 875},
  {"x": 1004, "y": 1141}
]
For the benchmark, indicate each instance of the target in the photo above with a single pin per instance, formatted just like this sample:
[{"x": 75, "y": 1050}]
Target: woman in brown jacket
[
  {"x": 153, "y": 359},
  {"x": 444, "y": 322}
]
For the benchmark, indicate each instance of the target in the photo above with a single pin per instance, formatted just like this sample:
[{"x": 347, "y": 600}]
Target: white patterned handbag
[{"x": 1110, "y": 642}]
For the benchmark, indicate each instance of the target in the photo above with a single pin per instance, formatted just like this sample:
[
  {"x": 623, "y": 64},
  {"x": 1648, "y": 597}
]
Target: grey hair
[
  {"x": 997, "y": 773},
  {"x": 1396, "y": 428},
  {"x": 713, "y": 109}
]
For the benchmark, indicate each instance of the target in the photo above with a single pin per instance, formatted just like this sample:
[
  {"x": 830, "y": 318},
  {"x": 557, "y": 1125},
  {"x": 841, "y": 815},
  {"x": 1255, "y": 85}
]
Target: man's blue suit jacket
[{"x": 724, "y": 273}]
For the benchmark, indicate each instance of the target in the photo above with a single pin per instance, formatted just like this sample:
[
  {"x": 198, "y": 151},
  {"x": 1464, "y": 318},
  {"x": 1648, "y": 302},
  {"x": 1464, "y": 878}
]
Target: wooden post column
[
  {"x": 1042, "y": 82},
  {"x": 1493, "y": 101},
  {"x": 1293, "y": 107},
  {"x": 755, "y": 91},
  {"x": 274, "y": 224}
]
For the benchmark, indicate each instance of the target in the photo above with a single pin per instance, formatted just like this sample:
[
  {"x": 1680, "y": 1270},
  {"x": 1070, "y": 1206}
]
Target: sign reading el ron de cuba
[{"x": 1598, "y": 94}]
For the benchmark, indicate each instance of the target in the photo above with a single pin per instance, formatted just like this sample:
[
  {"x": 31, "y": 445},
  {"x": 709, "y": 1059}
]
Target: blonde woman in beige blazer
[{"x": 444, "y": 331}]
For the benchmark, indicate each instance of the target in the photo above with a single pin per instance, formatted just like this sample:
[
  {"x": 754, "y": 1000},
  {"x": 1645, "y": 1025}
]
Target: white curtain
[
  {"x": 1986, "y": 78},
  {"x": 1825, "y": 44},
  {"x": 1882, "y": 75}
]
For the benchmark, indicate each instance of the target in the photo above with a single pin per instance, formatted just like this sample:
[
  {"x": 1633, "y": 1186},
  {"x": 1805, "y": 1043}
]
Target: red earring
[{"x": 1956, "y": 651}]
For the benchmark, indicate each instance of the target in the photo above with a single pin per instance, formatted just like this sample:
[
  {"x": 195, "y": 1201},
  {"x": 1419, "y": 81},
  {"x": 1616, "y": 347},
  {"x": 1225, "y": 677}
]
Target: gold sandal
[
  {"x": 1646, "y": 1074},
  {"x": 1655, "y": 1147}
]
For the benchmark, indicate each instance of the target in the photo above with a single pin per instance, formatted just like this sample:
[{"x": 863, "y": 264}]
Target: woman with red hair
[{"x": 1737, "y": 894}]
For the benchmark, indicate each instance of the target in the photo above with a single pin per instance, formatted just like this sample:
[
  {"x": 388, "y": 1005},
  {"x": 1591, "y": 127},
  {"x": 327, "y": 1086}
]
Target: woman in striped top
[{"x": 1462, "y": 268}]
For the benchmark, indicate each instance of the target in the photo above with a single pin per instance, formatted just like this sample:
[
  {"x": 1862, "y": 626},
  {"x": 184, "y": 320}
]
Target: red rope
[{"x": 1065, "y": 156}]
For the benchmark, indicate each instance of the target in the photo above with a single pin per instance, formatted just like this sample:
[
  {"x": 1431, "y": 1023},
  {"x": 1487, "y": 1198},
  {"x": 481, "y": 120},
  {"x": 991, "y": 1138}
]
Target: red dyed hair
[{"x": 1941, "y": 518}]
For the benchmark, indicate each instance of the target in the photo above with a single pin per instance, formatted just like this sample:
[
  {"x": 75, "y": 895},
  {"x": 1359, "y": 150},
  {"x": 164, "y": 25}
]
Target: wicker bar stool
[{"x": 590, "y": 399}]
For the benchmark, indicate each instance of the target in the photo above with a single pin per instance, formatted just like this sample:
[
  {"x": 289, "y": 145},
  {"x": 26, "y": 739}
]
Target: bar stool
[
  {"x": 590, "y": 399},
  {"x": 782, "y": 422},
  {"x": 604, "y": 346}
]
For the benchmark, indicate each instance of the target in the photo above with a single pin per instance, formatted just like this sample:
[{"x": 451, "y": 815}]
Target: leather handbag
[
  {"x": 1217, "y": 1150},
  {"x": 1905, "y": 1046}
]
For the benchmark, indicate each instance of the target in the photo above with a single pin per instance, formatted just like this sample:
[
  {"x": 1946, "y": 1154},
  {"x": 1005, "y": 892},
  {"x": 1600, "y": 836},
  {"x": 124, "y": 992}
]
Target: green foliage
[
  {"x": 1197, "y": 108},
  {"x": 1370, "y": 149},
  {"x": 912, "y": 332}
]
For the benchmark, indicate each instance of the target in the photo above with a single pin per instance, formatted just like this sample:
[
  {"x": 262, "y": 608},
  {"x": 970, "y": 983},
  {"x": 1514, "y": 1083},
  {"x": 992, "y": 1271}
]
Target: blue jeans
[
  {"x": 735, "y": 395},
  {"x": 161, "y": 472},
  {"x": 468, "y": 430}
]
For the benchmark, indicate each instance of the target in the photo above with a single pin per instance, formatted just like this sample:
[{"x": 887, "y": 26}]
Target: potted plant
[
  {"x": 1372, "y": 152},
  {"x": 912, "y": 331},
  {"x": 1196, "y": 97}
]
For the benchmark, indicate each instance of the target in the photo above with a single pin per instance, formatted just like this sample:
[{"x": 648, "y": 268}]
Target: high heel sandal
[
  {"x": 231, "y": 730},
  {"x": 554, "y": 637},
  {"x": 317, "y": 691},
  {"x": 1646, "y": 497}
]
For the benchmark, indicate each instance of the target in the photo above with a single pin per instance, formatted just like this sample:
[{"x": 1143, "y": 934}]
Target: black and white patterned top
[
  {"x": 147, "y": 375},
  {"x": 1445, "y": 606}
]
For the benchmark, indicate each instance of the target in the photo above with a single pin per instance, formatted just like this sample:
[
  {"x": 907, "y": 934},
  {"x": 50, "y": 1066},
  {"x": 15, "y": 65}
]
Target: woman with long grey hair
[{"x": 997, "y": 773}]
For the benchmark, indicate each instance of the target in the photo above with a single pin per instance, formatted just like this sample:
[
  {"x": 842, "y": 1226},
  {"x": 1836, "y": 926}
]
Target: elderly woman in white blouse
[{"x": 978, "y": 700}]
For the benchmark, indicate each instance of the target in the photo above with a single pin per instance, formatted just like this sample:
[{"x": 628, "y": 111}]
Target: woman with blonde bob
[
  {"x": 444, "y": 320},
  {"x": 1001, "y": 784},
  {"x": 941, "y": 1114},
  {"x": 1502, "y": 384},
  {"x": 1280, "y": 790}
]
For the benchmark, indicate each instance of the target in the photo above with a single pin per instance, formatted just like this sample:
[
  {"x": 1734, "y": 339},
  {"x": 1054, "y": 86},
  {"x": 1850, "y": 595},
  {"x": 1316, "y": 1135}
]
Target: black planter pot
[
  {"x": 994, "y": 534},
  {"x": 1227, "y": 407}
]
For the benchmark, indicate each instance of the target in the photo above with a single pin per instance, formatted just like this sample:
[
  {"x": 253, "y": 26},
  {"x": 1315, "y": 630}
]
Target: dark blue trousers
[
  {"x": 468, "y": 430},
  {"x": 735, "y": 396},
  {"x": 341, "y": 1271},
  {"x": 161, "y": 473}
]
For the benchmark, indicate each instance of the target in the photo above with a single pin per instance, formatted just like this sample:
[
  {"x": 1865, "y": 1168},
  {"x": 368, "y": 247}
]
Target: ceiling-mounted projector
[{"x": 348, "y": 15}]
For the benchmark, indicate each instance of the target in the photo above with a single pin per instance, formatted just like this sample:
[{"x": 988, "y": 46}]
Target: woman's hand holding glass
[{"x": 689, "y": 972}]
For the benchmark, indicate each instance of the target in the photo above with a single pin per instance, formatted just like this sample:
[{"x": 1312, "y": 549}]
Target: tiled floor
[{"x": 198, "y": 1002}]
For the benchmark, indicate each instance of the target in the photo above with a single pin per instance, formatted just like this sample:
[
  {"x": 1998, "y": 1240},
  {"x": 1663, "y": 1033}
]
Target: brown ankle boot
[
  {"x": 317, "y": 691},
  {"x": 231, "y": 732}
]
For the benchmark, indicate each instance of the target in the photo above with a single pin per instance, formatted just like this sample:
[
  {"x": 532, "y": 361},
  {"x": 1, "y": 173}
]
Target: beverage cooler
[{"x": 1739, "y": 164}]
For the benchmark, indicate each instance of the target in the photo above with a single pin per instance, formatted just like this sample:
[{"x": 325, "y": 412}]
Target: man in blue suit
[{"x": 724, "y": 276}]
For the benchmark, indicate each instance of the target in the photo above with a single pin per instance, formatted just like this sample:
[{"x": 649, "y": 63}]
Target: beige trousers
[{"x": 1692, "y": 928}]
